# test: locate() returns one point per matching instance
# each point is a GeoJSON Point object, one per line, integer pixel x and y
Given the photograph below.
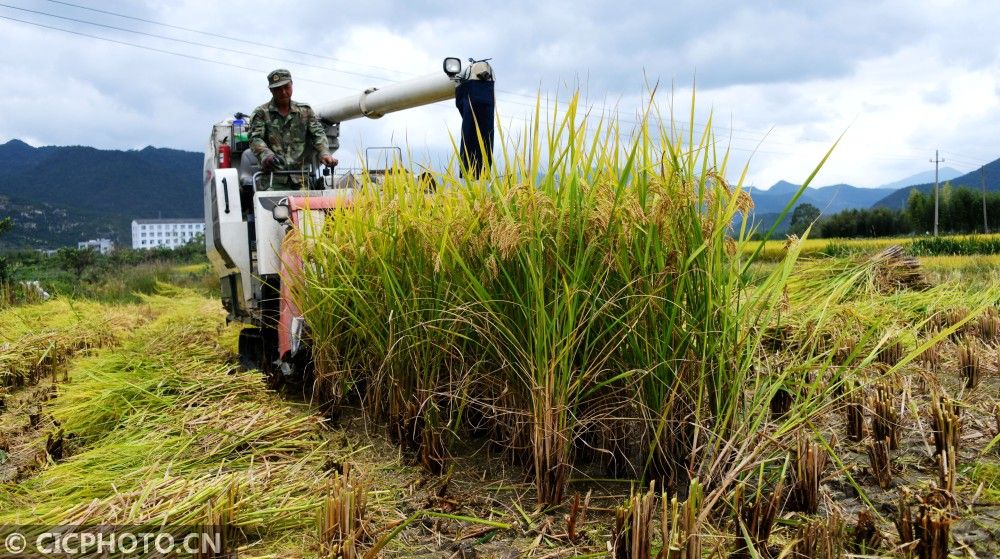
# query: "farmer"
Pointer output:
{"type": "Point", "coordinates": [285, 134]}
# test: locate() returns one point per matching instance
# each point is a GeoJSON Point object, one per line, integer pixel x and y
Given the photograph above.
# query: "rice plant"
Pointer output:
{"type": "Point", "coordinates": [590, 297]}
{"type": "Point", "coordinates": [587, 265]}
{"type": "Point", "coordinates": [931, 358]}
{"type": "Point", "coordinates": [931, 526]}
{"type": "Point", "coordinates": [892, 353]}
{"type": "Point", "coordinates": [946, 424]}
{"type": "Point", "coordinates": [988, 326]}
{"type": "Point", "coordinates": [342, 518]}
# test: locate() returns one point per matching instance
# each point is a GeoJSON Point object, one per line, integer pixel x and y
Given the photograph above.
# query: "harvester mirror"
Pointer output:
{"type": "Point", "coordinates": [281, 213]}
{"type": "Point", "coordinates": [452, 66]}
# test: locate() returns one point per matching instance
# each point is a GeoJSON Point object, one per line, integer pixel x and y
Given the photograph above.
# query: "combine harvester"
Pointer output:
{"type": "Point", "coordinates": [246, 222]}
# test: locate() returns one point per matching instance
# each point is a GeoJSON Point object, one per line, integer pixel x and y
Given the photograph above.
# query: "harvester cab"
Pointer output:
{"type": "Point", "coordinates": [246, 219]}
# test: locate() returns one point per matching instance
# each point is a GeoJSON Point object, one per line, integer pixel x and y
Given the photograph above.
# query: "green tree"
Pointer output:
{"type": "Point", "coordinates": [192, 251]}
{"type": "Point", "coordinates": [76, 260]}
{"type": "Point", "coordinates": [5, 272]}
{"type": "Point", "coordinates": [965, 211]}
{"type": "Point", "coordinates": [874, 222]}
{"type": "Point", "coordinates": [802, 217]}
{"type": "Point", "coordinates": [920, 209]}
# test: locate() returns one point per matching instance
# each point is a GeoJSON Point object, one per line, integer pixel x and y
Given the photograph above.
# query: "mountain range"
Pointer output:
{"type": "Point", "coordinates": [58, 196]}
{"type": "Point", "coordinates": [829, 199]}
{"type": "Point", "coordinates": [837, 197]}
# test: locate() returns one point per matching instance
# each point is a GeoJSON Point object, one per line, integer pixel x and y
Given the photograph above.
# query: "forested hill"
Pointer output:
{"type": "Point", "coordinates": [58, 196]}
{"type": "Point", "coordinates": [897, 200]}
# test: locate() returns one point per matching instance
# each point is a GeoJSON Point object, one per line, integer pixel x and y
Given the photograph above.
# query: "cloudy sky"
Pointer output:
{"type": "Point", "coordinates": [782, 80]}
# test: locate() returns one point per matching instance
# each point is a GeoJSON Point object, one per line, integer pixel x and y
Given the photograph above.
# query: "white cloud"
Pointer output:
{"type": "Point", "coordinates": [902, 78]}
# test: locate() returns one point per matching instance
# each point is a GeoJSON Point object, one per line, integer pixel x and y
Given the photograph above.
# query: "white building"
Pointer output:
{"type": "Point", "coordinates": [170, 233]}
{"type": "Point", "coordinates": [102, 246]}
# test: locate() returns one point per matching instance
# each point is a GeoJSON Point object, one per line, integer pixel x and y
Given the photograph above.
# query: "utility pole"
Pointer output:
{"type": "Point", "coordinates": [936, 161]}
{"type": "Point", "coordinates": [982, 175]}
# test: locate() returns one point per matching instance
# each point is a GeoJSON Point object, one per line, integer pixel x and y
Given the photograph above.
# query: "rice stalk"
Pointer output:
{"type": "Point", "coordinates": [880, 462]}
{"type": "Point", "coordinates": [988, 326]}
{"type": "Point", "coordinates": [969, 363]}
{"type": "Point", "coordinates": [927, 532]}
{"type": "Point", "coordinates": [854, 409]}
{"type": "Point", "coordinates": [865, 536]}
{"type": "Point", "coordinates": [885, 418]}
{"type": "Point", "coordinates": [946, 424]}
{"type": "Point", "coordinates": [820, 539]}
{"type": "Point", "coordinates": [577, 517]}
{"type": "Point", "coordinates": [755, 516]}
{"type": "Point", "coordinates": [892, 353]}
{"type": "Point", "coordinates": [931, 358]}
{"type": "Point", "coordinates": [342, 518]}
{"type": "Point", "coordinates": [904, 522]}
{"type": "Point", "coordinates": [810, 460]}
{"type": "Point", "coordinates": [679, 525]}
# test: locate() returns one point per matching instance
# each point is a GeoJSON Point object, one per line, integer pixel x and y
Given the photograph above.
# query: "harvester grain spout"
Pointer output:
{"type": "Point", "coordinates": [471, 87]}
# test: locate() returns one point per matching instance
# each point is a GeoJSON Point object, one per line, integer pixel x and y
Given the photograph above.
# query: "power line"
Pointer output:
{"type": "Point", "coordinates": [182, 55]}
{"type": "Point", "coordinates": [604, 109]}
{"type": "Point", "coordinates": [182, 41]}
{"type": "Point", "coordinates": [756, 138]}
{"type": "Point", "coordinates": [255, 43]}
{"type": "Point", "coordinates": [601, 108]}
{"type": "Point", "coordinates": [259, 44]}
{"type": "Point", "coordinates": [154, 49]}
{"type": "Point", "coordinates": [220, 36]}
{"type": "Point", "coordinates": [194, 43]}
{"type": "Point", "coordinates": [969, 160]}
{"type": "Point", "coordinates": [204, 45]}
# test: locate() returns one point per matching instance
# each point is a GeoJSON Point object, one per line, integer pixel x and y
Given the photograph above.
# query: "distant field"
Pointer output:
{"type": "Point", "coordinates": [811, 248]}
{"type": "Point", "coordinates": [950, 262]}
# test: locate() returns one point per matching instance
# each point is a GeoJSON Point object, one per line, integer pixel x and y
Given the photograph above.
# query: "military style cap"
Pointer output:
{"type": "Point", "coordinates": [278, 78]}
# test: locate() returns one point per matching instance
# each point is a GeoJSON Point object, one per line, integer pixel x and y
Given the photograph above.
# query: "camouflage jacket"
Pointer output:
{"type": "Point", "coordinates": [295, 138]}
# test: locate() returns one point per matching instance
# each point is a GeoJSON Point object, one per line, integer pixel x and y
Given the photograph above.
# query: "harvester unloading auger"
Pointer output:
{"type": "Point", "coordinates": [246, 222]}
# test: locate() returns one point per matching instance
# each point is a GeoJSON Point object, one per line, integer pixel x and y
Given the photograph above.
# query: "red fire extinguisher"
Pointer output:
{"type": "Point", "coordinates": [225, 153]}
